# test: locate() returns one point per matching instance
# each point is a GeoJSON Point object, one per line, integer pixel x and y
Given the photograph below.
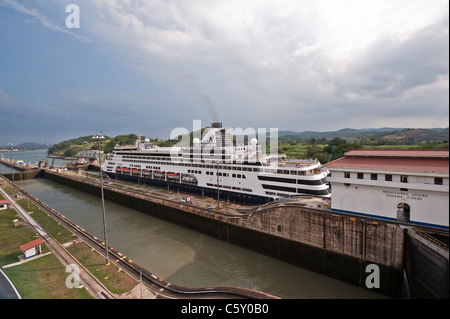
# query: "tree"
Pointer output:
{"type": "Point", "coordinates": [338, 146]}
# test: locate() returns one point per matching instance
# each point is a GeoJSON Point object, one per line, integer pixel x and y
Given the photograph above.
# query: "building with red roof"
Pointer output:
{"type": "Point", "coordinates": [410, 186]}
{"type": "Point", "coordinates": [32, 248]}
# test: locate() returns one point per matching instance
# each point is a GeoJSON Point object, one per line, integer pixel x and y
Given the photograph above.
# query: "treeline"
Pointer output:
{"type": "Point", "coordinates": [326, 150]}
{"type": "Point", "coordinates": [71, 147]}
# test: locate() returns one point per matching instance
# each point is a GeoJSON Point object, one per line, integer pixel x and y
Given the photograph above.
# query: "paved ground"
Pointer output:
{"type": "Point", "coordinates": [7, 289]}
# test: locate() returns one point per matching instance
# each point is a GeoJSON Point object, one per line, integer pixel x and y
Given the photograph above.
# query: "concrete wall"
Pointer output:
{"type": "Point", "coordinates": [427, 270]}
{"type": "Point", "coordinates": [24, 175]}
{"type": "Point", "coordinates": [378, 242]}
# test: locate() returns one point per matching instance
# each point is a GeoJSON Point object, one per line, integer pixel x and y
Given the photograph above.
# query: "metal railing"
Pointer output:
{"type": "Point", "coordinates": [430, 239]}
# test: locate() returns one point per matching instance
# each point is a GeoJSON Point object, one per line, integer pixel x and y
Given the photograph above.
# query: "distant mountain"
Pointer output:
{"type": "Point", "coordinates": [33, 146]}
{"type": "Point", "coordinates": [388, 133]}
{"type": "Point", "coordinates": [28, 146]}
{"type": "Point", "coordinates": [417, 135]}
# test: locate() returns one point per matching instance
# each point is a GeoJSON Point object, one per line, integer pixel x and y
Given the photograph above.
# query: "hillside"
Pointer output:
{"type": "Point", "coordinates": [71, 147]}
{"type": "Point", "coordinates": [416, 135]}
{"type": "Point", "coordinates": [325, 146]}
{"type": "Point", "coordinates": [387, 133]}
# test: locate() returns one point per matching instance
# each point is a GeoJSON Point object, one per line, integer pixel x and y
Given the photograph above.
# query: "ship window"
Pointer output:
{"type": "Point", "coordinates": [276, 179]}
{"type": "Point", "coordinates": [438, 181]}
{"type": "Point", "coordinates": [279, 188]}
{"type": "Point", "coordinates": [388, 178]}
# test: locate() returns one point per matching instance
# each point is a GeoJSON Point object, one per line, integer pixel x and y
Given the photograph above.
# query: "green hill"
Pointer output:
{"type": "Point", "coordinates": [71, 147]}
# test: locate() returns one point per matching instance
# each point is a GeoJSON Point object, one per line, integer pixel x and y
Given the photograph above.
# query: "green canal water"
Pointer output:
{"type": "Point", "coordinates": [185, 257]}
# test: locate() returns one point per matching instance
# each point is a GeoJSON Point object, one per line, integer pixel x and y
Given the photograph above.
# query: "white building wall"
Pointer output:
{"type": "Point", "coordinates": [30, 252]}
{"type": "Point", "coordinates": [429, 203]}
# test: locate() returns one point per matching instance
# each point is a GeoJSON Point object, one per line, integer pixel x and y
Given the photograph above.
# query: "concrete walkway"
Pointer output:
{"type": "Point", "coordinates": [22, 260]}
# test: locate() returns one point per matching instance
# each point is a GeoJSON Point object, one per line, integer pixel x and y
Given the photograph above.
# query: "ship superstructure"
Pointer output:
{"type": "Point", "coordinates": [243, 174]}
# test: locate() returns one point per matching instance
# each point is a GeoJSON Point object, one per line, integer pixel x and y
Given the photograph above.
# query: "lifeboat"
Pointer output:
{"type": "Point", "coordinates": [158, 173]}
{"type": "Point", "coordinates": [173, 175]}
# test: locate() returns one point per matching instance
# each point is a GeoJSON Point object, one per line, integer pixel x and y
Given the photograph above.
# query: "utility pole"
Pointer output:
{"type": "Point", "coordinates": [99, 137]}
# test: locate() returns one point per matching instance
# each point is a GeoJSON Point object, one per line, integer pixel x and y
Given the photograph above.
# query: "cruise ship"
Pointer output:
{"type": "Point", "coordinates": [242, 174]}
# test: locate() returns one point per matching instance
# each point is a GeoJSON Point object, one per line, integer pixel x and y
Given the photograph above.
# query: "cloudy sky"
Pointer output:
{"type": "Point", "coordinates": [149, 66]}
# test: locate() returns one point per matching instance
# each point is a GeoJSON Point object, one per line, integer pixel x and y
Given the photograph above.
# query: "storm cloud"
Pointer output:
{"type": "Point", "coordinates": [150, 66]}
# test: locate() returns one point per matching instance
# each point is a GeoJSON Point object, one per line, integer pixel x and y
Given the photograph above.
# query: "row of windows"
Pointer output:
{"type": "Point", "coordinates": [167, 160]}
{"type": "Point", "coordinates": [227, 175]}
{"type": "Point", "coordinates": [230, 187]}
{"type": "Point", "coordinates": [291, 181]}
{"type": "Point", "coordinates": [221, 167]}
{"type": "Point", "coordinates": [297, 190]}
{"type": "Point", "coordinates": [388, 178]}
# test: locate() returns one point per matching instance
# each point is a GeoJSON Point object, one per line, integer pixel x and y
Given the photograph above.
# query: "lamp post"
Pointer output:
{"type": "Point", "coordinates": [12, 165]}
{"type": "Point", "coordinates": [99, 137]}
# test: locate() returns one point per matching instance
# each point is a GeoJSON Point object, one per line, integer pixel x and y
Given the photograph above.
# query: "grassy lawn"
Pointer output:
{"type": "Point", "coordinates": [45, 277]}
{"type": "Point", "coordinates": [52, 227]}
{"type": "Point", "coordinates": [12, 237]}
{"type": "Point", "coordinates": [111, 276]}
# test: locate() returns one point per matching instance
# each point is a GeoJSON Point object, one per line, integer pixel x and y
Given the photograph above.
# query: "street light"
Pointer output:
{"type": "Point", "coordinates": [99, 137]}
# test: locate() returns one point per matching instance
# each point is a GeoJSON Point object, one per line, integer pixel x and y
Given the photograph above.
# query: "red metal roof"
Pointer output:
{"type": "Point", "coordinates": [399, 153]}
{"type": "Point", "coordinates": [31, 244]}
{"type": "Point", "coordinates": [4, 201]}
{"type": "Point", "coordinates": [395, 160]}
